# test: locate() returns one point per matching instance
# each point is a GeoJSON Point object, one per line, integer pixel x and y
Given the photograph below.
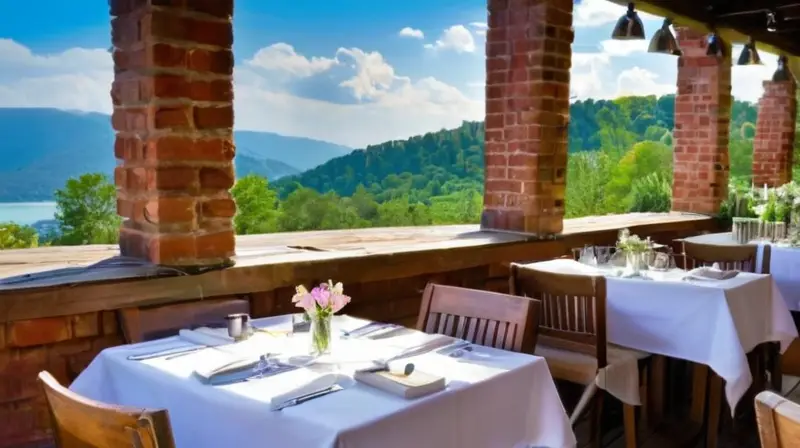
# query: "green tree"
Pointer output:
{"type": "Point", "coordinates": [256, 206]}
{"type": "Point", "coordinates": [17, 236]}
{"type": "Point", "coordinates": [643, 158]}
{"type": "Point", "coordinates": [86, 211]}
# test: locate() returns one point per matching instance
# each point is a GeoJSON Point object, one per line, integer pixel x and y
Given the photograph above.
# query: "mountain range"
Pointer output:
{"type": "Point", "coordinates": [42, 148]}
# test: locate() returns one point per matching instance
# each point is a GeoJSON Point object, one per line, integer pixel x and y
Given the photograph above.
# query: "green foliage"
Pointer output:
{"type": "Point", "coordinates": [256, 206]}
{"type": "Point", "coordinates": [17, 236]}
{"type": "Point", "coordinates": [87, 211]}
{"type": "Point", "coordinates": [651, 193]}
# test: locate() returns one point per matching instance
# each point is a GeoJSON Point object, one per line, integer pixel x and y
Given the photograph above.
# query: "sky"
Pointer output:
{"type": "Point", "coordinates": [350, 72]}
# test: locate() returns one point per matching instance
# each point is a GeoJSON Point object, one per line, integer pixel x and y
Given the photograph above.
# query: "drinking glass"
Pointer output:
{"type": "Point", "coordinates": [588, 256]}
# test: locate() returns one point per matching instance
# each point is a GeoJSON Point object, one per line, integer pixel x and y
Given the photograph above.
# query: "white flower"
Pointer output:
{"type": "Point", "coordinates": [300, 291]}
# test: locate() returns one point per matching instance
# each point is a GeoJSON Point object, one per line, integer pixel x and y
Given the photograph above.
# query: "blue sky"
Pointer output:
{"type": "Point", "coordinates": [347, 71]}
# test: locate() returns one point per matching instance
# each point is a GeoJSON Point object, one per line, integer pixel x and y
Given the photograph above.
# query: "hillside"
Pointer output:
{"type": "Point", "coordinates": [429, 165]}
{"type": "Point", "coordinates": [42, 148]}
{"type": "Point", "coordinates": [448, 161]}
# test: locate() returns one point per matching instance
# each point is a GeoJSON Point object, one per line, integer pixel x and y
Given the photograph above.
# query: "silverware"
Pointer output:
{"type": "Point", "coordinates": [456, 349]}
{"type": "Point", "coordinates": [408, 369]}
{"type": "Point", "coordinates": [364, 329]}
{"type": "Point", "coordinates": [309, 396]}
{"type": "Point", "coordinates": [169, 353]}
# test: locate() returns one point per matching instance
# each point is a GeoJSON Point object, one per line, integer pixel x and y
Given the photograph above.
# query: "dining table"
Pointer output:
{"type": "Point", "coordinates": [784, 263]}
{"type": "Point", "coordinates": [491, 398]}
{"type": "Point", "coordinates": [706, 321]}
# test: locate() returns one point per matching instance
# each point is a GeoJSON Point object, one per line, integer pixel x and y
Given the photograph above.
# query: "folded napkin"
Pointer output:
{"type": "Point", "coordinates": [205, 336]}
{"type": "Point", "coordinates": [711, 273]}
{"type": "Point", "coordinates": [314, 385]}
{"type": "Point", "coordinates": [231, 371]}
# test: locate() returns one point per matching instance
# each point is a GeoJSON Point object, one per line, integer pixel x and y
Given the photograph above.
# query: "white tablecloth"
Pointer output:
{"type": "Point", "coordinates": [493, 398]}
{"type": "Point", "coordinates": [784, 264]}
{"type": "Point", "coordinates": [705, 321]}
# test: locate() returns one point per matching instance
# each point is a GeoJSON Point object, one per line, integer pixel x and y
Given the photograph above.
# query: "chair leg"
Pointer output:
{"type": "Point", "coordinates": [586, 397]}
{"type": "Point", "coordinates": [775, 367]}
{"type": "Point", "coordinates": [714, 409]}
{"type": "Point", "coordinates": [629, 416]}
{"type": "Point", "coordinates": [596, 429]}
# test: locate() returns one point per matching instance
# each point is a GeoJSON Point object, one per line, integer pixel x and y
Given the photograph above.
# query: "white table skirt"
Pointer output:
{"type": "Point", "coordinates": [784, 264]}
{"type": "Point", "coordinates": [709, 322]}
{"type": "Point", "coordinates": [493, 399]}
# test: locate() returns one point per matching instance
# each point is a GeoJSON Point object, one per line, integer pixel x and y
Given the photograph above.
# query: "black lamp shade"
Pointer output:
{"type": "Point", "coordinates": [664, 42]}
{"type": "Point", "coordinates": [749, 55]}
{"type": "Point", "coordinates": [629, 26]}
{"type": "Point", "coordinates": [716, 47]}
{"type": "Point", "coordinates": [782, 73]}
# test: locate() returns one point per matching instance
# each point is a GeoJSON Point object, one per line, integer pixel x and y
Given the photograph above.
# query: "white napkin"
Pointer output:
{"type": "Point", "coordinates": [204, 336]}
{"type": "Point", "coordinates": [314, 385]}
{"type": "Point", "coordinates": [712, 273]}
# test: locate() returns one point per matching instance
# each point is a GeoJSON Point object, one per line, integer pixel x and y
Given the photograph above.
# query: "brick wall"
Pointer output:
{"type": "Point", "coordinates": [528, 57]}
{"type": "Point", "coordinates": [773, 146]}
{"type": "Point", "coordinates": [173, 113]}
{"type": "Point", "coordinates": [702, 122]}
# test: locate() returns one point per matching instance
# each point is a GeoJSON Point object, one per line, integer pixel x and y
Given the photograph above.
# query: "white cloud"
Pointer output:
{"type": "Point", "coordinates": [480, 28]}
{"type": "Point", "coordinates": [747, 81]}
{"type": "Point", "coordinates": [411, 32]}
{"type": "Point", "coordinates": [77, 79]}
{"type": "Point", "coordinates": [457, 38]}
{"type": "Point", "coordinates": [623, 47]}
{"type": "Point", "coordinates": [596, 13]}
{"type": "Point", "coordinates": [639, 81]}
{"type": "Point", "coordinates": [282, 57]}
{"type": "Point", "coordinates": [389, 107]}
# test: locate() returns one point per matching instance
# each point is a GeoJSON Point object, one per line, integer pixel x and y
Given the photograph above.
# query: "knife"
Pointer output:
{"type": "Point", "coordinates": [310, 396]}
{"type": "Point", "coordinates": [172, 352]}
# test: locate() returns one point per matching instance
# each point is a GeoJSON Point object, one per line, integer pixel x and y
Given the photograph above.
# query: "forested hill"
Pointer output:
{"type": "Point", "coordinates": [447, 161]}
{"type": "Point", "coordinates": [423, 166]}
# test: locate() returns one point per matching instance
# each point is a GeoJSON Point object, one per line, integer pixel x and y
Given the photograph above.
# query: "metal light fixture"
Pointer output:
{"type": "Point", "coordinates": [749, 54]}
{"type": "Point", "coordinates": [663, 41]}
{"type": "Point", "coordinates": [629, 26]}
{"type": "Point", "coordinates": [716, 47]}
{"type": "Point", "coordinates": [782, 73]}
{"type": "Point", "coordinates": [774, 18]}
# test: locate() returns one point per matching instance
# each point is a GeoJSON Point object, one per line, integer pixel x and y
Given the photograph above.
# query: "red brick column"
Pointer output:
{"type": "Point", "coordinates": [702, 122]}
{"type": "Point", "coordinates": [528, 57]}
{"type": "Point", "coordinates": [173, 113]}
{"type": "Point", "coordinates": [774, 142]}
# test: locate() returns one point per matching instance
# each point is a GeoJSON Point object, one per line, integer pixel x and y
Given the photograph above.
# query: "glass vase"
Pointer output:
{"type": "Point", "coordinates": [321, 334]}
{"type": "Point", "coordinates": [633, 262]}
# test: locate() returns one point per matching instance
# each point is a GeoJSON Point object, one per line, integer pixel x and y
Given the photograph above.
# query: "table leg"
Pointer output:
{"type": "Point", "coordinates": [714, 409]}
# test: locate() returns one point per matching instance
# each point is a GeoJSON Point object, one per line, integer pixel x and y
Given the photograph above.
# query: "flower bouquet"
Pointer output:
{"type": "Point", "coordinates": [634, 249]}
{"type": "Point", "coordinates": [320, 305]}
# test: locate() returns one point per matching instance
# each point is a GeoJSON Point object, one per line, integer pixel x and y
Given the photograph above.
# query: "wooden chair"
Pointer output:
{"type": "Point", "coordinates": [82, 423]}
{"type": "Point", "coordinates": [146, 324]}
{"type": "Point", "coordinates": [778, 421]}
{"type": "Point", "coordinates": [740, 257]}
{"type": "Point", "coordinates": [572, 336]}
{"type": "Point", "coordinates": [481, 317]}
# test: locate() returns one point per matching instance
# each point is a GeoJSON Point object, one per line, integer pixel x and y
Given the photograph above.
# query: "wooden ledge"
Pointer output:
{"type": "Point", "coordinates": [70, 280]}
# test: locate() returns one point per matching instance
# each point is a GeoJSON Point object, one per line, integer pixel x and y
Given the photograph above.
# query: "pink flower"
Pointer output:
{"type": "Point", "coordinates": [322, 295]}
{"type": "Point", "coordinates": [338, 301]}
{"type": "Point", "coordinates": [305, 301]}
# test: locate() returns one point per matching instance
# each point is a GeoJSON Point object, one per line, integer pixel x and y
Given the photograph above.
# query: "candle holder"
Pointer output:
{"type": "Point", "coordinates": [238, 326]}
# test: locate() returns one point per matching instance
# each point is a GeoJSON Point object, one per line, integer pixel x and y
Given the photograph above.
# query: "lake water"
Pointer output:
{"type": "Point", "coordinates": [27, 212]}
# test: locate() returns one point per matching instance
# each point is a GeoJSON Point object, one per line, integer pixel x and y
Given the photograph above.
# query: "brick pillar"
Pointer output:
{"type": "Point", "coordinates": [528, 57]}
{"type": "Point", "coordinates": [702, 122]}
{"type": "Point", "coordinates": [774, 142]}
{"type": "Point", "coordinates": [173, 113]}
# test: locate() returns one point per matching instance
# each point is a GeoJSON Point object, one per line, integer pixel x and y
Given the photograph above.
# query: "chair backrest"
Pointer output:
{"type": "Point", "coordinates": [729, 257]}
{"type": "Point", "coordinates": [82, 423]}
{"type": "Point", "coordinates": [573, 315]}
{"type": "Point", "coordinates": [778, 421]}
{"type": "Point", "coordinates": [146, 324]}
{"type": "Point", "coordinates": [482, 317]}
